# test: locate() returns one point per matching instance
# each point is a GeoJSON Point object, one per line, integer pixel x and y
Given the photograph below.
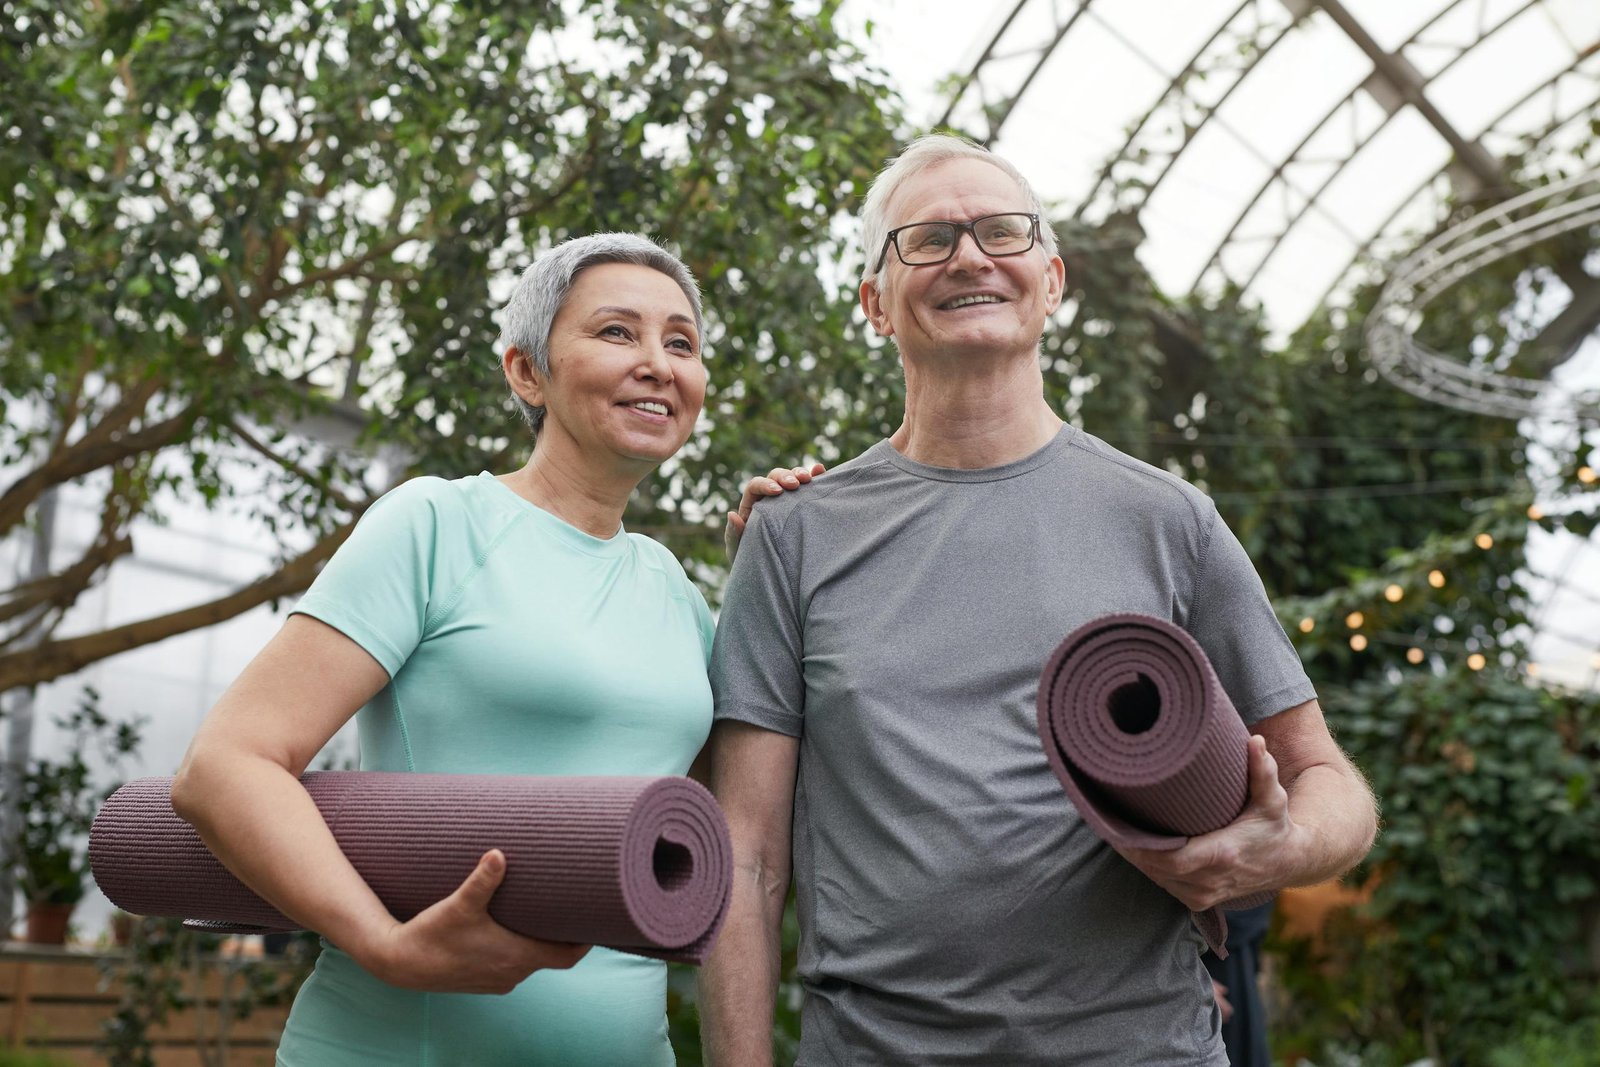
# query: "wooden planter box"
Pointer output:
{"type": "Point", "coordinates": [55, 1001]}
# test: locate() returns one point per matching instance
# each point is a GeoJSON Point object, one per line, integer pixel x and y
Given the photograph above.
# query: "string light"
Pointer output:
{"type": "Point", "coordinates": [1436, 579]}
{"type": "Point", "coordinates": [1534, 512]}
{"type": "Point", "coordinates": [1307, 624]}
{"type": "Point", "coordinates": [1476, 661]}
{"type": "Point", "coordinates": [1587, 476]}
{"type": "Point", "coordinates": [1393, 594]}
{"type": "Point", "coordinates": [1354, 620]}
{"type": "Point", "coordinates": [1483, 541]}
{"type": "Point", "coordinates": [1414, 655]}
{"type": "Point", "coordinates": [1358, 642]}
{"type": "Point", "coordinates": [1533, 670]}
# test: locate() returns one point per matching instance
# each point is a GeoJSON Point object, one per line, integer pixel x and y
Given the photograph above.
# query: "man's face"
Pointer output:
{"type": "Point", "coordinates": [931, 311]}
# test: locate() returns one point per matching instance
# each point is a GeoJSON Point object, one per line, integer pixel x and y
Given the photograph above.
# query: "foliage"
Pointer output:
{"type": "Point", "coordinates": [14, 1057]}
{"type": "Point", "coordinates": [1573, 1045]}
{"type": "Point", "coordinates": [1491, 847]}
{"type": "Point", "coordinates": [163, 972]}
{"type": "Point", "coordinates": [59, 800]}
{"type": "Point", "coordinates": [229, 219]}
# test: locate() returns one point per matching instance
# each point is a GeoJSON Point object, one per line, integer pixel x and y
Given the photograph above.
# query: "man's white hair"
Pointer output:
{"type": "Point", "coordinates": [526, 319]}
{"type": "Point", "coordinates": [918, 156]}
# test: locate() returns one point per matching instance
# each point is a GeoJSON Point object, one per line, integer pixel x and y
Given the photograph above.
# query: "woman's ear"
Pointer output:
{"type": "Point", "coordinates": [521, 376]}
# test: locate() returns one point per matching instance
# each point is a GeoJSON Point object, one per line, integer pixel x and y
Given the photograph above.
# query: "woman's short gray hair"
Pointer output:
{"type": "Point", "coordinates": [918, 156]}
{"type": "Point", "coordinates": [526, 319]}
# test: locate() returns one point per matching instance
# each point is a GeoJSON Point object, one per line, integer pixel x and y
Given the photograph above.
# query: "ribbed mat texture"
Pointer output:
{"type": "Point", "coordinates": [642, 865]}
{"type": "Point", "coordinates": [1144, 740]}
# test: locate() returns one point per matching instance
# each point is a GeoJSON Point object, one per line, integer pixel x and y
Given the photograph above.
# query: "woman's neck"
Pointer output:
{"type": "Point", "coordinates": [559, 482]}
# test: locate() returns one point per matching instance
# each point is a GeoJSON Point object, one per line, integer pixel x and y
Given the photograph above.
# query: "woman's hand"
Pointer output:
{"type": "Point", "coordinates": [775, 483]}
{"type": "Point", "coordinates": [455, 946]}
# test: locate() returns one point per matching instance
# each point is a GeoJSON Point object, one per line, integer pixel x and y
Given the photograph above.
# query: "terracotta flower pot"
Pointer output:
{"type": "Point", "coordinates": [47, 923]}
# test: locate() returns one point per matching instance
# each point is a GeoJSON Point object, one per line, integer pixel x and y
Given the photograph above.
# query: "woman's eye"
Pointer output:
{"type": "Point", "coordinates": [614, 331]}
{"type": "Point", "coordinates": [683, 344]}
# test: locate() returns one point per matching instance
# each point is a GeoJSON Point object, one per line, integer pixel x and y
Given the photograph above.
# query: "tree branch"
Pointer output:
{"type": "Point", "coordinates": [99, 448]}
{"type": "Point", "coordinates": [255, 444]}
{"type": "Point", "coordinates": [53, 659]}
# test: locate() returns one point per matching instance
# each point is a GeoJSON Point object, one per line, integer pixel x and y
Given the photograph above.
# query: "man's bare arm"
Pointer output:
{"type": "Point", "coordinates": [753, 776]}
{"type": "Point", "coordinates": [1311, 817]}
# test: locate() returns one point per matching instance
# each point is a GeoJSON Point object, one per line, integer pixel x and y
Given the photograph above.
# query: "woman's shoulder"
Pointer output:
{"type": "Point", "coordinates": [466, 507]}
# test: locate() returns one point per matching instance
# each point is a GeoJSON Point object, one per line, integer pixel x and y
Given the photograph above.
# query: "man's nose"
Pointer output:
{"type": "Point", "coordinates": [966, 252]}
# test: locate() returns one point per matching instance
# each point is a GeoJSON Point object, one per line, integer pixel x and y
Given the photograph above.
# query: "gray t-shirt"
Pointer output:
{"type": "Point", "coordinates": [895, 617]}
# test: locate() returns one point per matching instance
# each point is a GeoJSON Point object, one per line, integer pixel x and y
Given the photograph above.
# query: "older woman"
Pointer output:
{"type": "Point", "coordinates": [497, 625]}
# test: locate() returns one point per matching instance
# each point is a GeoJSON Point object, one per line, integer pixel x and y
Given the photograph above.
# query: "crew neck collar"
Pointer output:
{"type": "Point", "coordinates": [1051, 448]}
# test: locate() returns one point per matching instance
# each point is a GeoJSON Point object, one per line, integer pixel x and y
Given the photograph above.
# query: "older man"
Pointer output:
{"type": "Point", "coordinates": [876, 669]}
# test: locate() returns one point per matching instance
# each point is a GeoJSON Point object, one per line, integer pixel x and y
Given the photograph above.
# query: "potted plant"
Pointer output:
{"type": "Point", "coordinates": [58, 805]}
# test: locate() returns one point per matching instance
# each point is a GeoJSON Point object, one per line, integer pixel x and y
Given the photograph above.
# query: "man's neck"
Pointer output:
{"type": "Point", "coordinates": [971, 416]}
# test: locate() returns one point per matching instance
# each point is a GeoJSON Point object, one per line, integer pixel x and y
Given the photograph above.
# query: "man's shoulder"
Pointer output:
{"type": "Point", "coordinates": [1109, 470]}
{"type": "Point", "coordinates": [854, 475]}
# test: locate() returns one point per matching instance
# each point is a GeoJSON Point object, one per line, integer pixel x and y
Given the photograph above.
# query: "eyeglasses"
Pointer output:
{"type": "Point", "coordinates": [923, 244]}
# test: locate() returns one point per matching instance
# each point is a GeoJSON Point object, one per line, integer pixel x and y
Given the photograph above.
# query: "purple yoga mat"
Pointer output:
{"type": "Point", "coordinates": [642, 865]}
{"type": "Point", "coordinates": [1145, 742]}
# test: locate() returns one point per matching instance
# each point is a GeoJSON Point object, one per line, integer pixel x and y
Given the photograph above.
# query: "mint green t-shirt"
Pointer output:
{"type": "Point", "coordinates": [515, 644]}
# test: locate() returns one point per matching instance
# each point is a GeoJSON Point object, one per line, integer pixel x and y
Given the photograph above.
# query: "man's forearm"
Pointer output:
{"type": "Point", "coordinates": [1337, 816]}
{"type": "Point", "coordinates": [739, 983]}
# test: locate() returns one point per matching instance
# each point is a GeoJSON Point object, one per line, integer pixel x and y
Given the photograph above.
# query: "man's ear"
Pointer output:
{"type": "Point", "coordinates": [521, 376]}
{"type": "Point", "coordinates": [1055, 282]}
{"type": "Point", "coordinates": [872, 305]}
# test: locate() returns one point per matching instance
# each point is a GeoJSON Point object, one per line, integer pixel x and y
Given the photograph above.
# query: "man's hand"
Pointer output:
{"type": "Point", "coordinates": [455, 946]}
{"type": "Point", "coordinates": [1255, 852]}
{"type": "Point", "coordinates": [775, 483]}
{"type": "Point", "coordinates": [1220, 991]}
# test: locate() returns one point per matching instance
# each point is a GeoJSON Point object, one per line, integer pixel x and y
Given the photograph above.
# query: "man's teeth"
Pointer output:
{"type": "Point", "coordinates": [965, 301]}
{"type": "Point", "coordinates": [651, 406]}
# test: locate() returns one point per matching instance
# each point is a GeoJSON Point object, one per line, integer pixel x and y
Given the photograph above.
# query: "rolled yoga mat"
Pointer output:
{"type": "Point", "coordinates": [642, 865]}
{"type": "Point", "coordinates": [1144, 740]}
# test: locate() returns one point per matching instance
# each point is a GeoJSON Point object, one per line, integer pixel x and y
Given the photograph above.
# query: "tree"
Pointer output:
{"type": "Point", "coordinates": [224, 218]}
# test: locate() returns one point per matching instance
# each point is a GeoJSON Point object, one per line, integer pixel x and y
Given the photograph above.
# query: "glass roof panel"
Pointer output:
{"type": "Point", "coordinates": [1392, 24]}
{"type": "Point", "coordinates": [1524, 54]}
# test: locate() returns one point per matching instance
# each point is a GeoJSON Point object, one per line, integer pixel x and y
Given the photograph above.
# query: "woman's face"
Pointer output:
{"type": "Point", "coordinates": [626, 380]}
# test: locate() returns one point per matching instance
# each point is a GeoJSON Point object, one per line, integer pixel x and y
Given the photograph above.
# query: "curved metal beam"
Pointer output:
{"type": "Point", "coordinates": [1556, 124]}
{"type": "Point", "coordinates": [1333, 113]}
{"type": "Point", "coordinates": [996, 114]}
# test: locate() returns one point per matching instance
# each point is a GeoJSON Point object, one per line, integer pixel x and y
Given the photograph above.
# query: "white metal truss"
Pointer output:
{"type": "Point", "coordinates": [1476, 384]}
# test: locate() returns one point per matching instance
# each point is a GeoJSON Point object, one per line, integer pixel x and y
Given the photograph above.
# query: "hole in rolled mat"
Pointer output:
{"type": "Point", "coordinates": [1136, 706]}
{"type": "Point", "coordinates": [673, 865]}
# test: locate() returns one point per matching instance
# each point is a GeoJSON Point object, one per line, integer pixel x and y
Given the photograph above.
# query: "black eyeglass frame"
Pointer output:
{"type": "Point", "coordinates": [969, 228]}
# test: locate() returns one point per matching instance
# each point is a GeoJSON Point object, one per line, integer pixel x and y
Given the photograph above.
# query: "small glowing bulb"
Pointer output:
{"type": "Point", "coordinates": [1358, 642]}
{"type": "Point", "coordinates": [1414, 655]}
{"type": "Point", "coordinates": [1484, 541]}
{"type": "Point", "coordinates": [1354, 620]}
{"type": "Point", "coordinates": [1535, 512]}
{"type": "Point", "coordinates": [1436, 579]}
{"type": "Point", "coordinates": [1393, 594]}
{"type": "Point", "coordinates": [1476, 661]}
{"type": "Point", "coordinates": [1533, 670]}
{"type": "Point", "coordinates": [1307, 624]}
{"type": "Point", "coordinates": [1587, 476]}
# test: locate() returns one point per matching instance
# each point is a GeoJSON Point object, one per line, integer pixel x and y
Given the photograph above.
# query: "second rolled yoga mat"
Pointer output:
{"type": "Point", "coordinates": [1144, 740]}
{"type": "Point", "coordinates": [637, 864]}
